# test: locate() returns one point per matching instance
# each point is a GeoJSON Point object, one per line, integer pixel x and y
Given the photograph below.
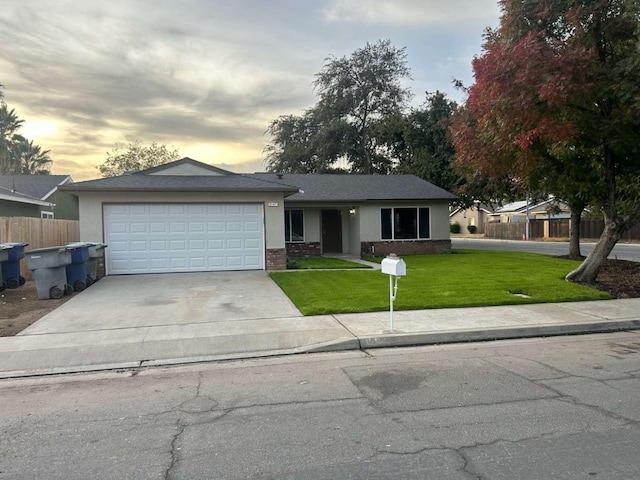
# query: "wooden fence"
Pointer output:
{"type": "Point", "coordinates": [38, 233]}
{"type": "Point", "coordinates": [590, 228]}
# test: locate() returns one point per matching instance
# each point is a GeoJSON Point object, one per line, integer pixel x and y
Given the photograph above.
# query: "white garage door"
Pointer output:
{"type": "Point", "coordinates": [158, 238]}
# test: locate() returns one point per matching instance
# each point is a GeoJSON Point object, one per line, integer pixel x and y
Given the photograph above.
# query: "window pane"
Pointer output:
{"type": "Point", "coordinates": [405, 223]}
{"type": "Point", "coordinates": [287, 225]}
{"type": "Point", "coordinates": [297, 226]}
{"type": "Point", "coordinates": [424, 223]}
{"type": "Point", "coordinates": [385, 221]}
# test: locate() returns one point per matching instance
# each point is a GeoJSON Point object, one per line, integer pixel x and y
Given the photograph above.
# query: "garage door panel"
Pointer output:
{"type": "Point", "coordinates": [148, 238]}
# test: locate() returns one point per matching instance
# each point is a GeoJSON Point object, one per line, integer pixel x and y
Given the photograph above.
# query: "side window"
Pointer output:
{"type": "Point", "coordinates": [294, 226]}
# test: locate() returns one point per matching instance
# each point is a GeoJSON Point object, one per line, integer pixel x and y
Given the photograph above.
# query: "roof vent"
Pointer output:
{"type": "Point", "coordinates": [279, 175]}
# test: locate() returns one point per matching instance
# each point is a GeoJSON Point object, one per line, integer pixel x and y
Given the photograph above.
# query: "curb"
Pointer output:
{"type": "Point", "coordinates": [361, 343]}
{"type": "Point", "coordinates": [506, 333]}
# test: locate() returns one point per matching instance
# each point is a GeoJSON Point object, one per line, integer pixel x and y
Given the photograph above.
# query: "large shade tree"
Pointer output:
{"type": "Point", "coordinates": [555, 106]}
{"type": "Point", "coordinates": [135, 156]}
{"type": "Point", "coordinates": [419, 143]}
{"type": "Point", "coordinates": [354, 93]}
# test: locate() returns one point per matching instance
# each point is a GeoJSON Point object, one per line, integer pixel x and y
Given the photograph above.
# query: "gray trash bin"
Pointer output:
{"type": "Point", "coordinates": [48, 266]}
{"type": "Point", "coordinates": [96, 250]}
{"type": "Point", "coordinates": [4, 256]}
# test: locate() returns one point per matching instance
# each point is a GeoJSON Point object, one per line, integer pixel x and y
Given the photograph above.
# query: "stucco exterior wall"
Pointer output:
{"type": "Point", "coordinates": [91, 221]}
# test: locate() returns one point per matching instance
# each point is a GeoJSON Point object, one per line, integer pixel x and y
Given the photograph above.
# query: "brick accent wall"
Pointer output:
{"type": "Point", "coordinates": [406, 247]}
{"type": "Point", "coordinates": [297, 250]}
{"type": "Point", "coordinates": [276, 259]}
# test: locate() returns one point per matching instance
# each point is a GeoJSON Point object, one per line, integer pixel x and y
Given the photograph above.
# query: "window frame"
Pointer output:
{"type": "Point", "coordinates": [393, 238]}
{"type": "Point", "coordinates": [288, 220]}
{"type": "Point", "coordinates": [45, 214]}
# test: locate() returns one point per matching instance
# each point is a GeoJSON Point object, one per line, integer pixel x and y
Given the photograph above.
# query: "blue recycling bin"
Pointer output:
{"type": "Point", "coordinates": [4, 256]}
{"type": "Point", "coordinates": [11, 266]}
{"type": "Point", "coordinates": [77, 269]}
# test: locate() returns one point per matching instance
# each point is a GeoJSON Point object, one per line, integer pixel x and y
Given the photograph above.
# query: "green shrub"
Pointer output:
{"type": "Point", "coordinates": [472, 228]}
{"type": "Point", "coordinates": [454, 228]}
{"type": "Point", "coordinates": [292, 263]}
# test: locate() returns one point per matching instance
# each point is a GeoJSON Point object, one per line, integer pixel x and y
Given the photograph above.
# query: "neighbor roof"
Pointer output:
{"type": "Point", "coordinates": [357, 188]}
{"type": "Point", "coordinates": [6, 194]}
{"type": "Point", "coordinates": [36, 186]}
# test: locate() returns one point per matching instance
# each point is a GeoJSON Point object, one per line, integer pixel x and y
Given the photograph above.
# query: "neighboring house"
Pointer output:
{"type": "Point", "coordinates": [516, 212]}
{"type": "Point", "coordinates": [59, 204]}
{"type": "Point", "coordinates": [189, 216]}
{"type": "Point", "coordinates": [476, 216]}
{"type": "Point", "coordinates": [13, 204]}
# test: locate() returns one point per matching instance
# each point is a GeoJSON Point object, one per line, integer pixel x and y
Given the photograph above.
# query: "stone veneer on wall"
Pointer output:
{"type": "Point", "coordinates": [310, 249]}
{"type": "Point", "coordinates": [276, 259]}
{"type": "Point", "coordinates": [407, 247]}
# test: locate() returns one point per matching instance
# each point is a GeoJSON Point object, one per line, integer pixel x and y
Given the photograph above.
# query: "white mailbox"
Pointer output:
{"type": "Point", "coordinates": [392, 265]}
{"type": "Point", "coordinates": [395, 268]}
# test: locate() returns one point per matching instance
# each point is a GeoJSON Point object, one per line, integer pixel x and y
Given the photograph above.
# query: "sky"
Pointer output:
{"type": "Point", "coordinates": [206, 77]}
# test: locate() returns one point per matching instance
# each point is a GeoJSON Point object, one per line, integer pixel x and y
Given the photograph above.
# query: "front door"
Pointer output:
{"type": "Point", "coordinates": [331, 231]}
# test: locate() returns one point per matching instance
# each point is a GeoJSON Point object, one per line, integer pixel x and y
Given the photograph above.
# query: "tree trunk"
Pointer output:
{"type": "Point", "coordinates": [589, 269]}
{"type": "Point", "coordinates": [574, 234]}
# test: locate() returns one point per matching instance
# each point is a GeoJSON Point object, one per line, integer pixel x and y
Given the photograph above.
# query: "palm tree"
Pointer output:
{"type": "Point", "coordinates": [9, 125]}
{"type": "Point", "coordinates": [30, 159]}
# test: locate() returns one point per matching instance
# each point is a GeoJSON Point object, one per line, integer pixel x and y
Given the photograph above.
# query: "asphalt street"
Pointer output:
{"type": "Point", "coordinates": [555, 408]}
{"type": "Point", "coordinates": [622, 251]}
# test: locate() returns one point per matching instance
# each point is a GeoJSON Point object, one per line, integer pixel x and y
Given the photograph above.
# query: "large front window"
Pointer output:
{"type": "Point", "coordinates": [405, 223]}
{"type": "Point", "coordinates": [293, 226]}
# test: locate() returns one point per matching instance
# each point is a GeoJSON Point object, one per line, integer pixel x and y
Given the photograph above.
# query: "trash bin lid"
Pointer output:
{"type": "Point", "coordinates": [13, 245]}
{"type": "Point", "coordinates": [37, 251]}
{"type": "Point", "coordinates": [78, 244]}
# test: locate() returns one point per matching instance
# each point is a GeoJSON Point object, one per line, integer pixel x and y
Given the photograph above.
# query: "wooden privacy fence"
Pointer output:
{"type": "Point", "coordinates": [540, 229]}
{"type": "Point", "coordinates": [38, 233]}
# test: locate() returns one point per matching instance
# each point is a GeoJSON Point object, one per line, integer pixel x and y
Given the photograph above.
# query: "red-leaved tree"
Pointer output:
{"type": "Point", "coordinates": [555, 107]}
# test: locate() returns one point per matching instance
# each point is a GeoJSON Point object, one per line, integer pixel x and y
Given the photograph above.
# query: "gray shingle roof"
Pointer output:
{"type": "Point", "coordinates": [37, 186]}
{"type": "Point", "coordinates": [220, 183]}
{"type": "Point", "coordinates": [352, 188]}
{"type": "Point", "coordinates": [299, 187]}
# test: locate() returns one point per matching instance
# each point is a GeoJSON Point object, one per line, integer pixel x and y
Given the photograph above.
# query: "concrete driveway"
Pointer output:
{"type": "Point", "coordinates": [130, 321]}
{"type": "Point", "coordinates": [129, 301]}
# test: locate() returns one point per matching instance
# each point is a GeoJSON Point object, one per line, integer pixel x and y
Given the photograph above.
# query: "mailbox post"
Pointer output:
{"type": "Point", "coordinates": [394, 267]}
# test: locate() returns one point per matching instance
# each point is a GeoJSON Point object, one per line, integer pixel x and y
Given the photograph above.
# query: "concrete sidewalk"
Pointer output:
{"type": "Point", "coordinates": [42, 353]}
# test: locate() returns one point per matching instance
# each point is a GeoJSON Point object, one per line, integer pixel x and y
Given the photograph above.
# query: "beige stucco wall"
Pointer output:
{"type": "Point", "coordinates": [370, 227]}
{"type": "Point", "coordinates": [91, 222]}
{"type": "Point", "coordinates": [185, 169]}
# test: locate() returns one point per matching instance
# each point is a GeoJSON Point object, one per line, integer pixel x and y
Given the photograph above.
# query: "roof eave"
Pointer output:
{"type": "Point", "coordinates": [73, 189]}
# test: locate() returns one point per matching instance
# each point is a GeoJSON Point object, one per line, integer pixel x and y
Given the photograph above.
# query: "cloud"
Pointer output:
{"type": "Point", "coordinates": [411, 13]}
{"type": "Point", "coordinates": [202, 75]}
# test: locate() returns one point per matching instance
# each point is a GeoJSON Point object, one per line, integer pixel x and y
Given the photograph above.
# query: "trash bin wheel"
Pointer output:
{"type": "Point", "coordinates": [68, 289]}
{"type": "Point", "coordinates": [55, 292]}
{"type": "Point", "coordinates": [90, 280]}
{"type": "Point", "coordinates": [22, 280]}
{"type": "Point", "coordinates": [13, 282]}
{"type": "Point", "coordinates": [79, 285]}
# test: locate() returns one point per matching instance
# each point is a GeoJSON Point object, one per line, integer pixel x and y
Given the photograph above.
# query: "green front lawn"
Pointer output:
{"type": "Point", "coordinates": [466, 278]}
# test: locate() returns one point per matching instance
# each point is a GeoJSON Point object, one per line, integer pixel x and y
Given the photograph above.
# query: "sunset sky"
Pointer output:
{"type": "Point", "coordinates": [206, 76]}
